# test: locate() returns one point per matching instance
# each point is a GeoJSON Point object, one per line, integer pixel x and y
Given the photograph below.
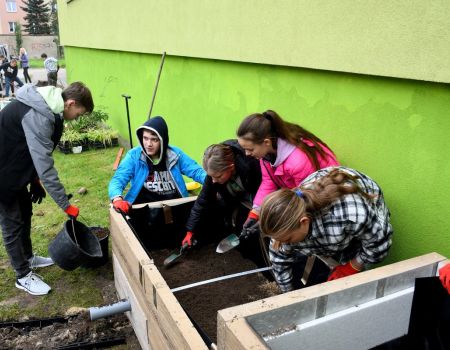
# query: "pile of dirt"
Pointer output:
{"type": "Point", "coordinates": [203, 302]}
{"type": "Point", "coordinates": [78, 328]}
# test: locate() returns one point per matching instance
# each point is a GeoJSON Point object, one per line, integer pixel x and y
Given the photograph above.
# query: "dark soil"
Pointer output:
{"type": "Point", "coordinates": [203, 302]}
{"type": "Point", "coordinates": [78, 328]}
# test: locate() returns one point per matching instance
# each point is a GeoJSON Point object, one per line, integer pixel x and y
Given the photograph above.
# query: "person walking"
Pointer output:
{"type": "Point", "coordinates": [30, 128]}
{"type": "Point", "coordinates": [23, 57]}
{"type": "Point", "coordinates": [52, 67]}
{"type": "Point", "coordinates": [336, 212]}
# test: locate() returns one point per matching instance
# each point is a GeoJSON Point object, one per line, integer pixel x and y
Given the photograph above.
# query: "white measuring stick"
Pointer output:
{"type": "Point", "coordinates": [196, 284]}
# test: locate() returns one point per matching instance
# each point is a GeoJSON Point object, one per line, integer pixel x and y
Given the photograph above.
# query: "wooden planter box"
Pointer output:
{"type": "Point", "coordinates": [281, 322]}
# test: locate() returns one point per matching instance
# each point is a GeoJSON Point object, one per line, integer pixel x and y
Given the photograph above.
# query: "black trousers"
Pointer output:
{"type": "Point", "coordinates": [15, 222]}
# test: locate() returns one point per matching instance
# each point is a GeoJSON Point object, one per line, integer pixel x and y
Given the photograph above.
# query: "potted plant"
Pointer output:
{"type": "Point", "coordinates": [70, 139]}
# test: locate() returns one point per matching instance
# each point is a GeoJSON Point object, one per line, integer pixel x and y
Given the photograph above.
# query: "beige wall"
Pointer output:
{"type": "Point", "coordinates": [35, 45]}
{"type": "Point", "coordinates": [6, 16]}
{"type": "Point", "coordinates": [401, 38]}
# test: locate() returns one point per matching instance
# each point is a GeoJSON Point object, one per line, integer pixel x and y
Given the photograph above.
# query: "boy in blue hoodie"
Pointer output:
{"type": "Point", "coordinates": [155, 169]}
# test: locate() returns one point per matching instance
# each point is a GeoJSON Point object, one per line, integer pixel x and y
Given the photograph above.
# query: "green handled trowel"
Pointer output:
{"type": "Point", "coordinates": [177, 254]}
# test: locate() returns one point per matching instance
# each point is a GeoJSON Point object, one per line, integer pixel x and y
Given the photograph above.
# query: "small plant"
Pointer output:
{"type": "Point", "coordinates": [72, 137]}
{"type": "Point", "coordinates": [90, 121]}
{"type": "Point", "coordinates": [103, 136]}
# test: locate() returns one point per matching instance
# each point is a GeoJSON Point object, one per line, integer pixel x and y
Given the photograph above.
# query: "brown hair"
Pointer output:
{"type": "Point", "coordinates": [282, 210]}
{"type": "Point", "coordinates": [81, 94]}
{"type": "Point", "coordinates": [218, 157]}
{"type": "Point", "coordinates": [269, 125]}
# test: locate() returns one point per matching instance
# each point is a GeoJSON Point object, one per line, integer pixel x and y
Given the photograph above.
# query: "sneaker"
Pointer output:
{"type": "Point", "coordinates": [39, 261]}
{"type": "Point", "coordinates": [33, 284]}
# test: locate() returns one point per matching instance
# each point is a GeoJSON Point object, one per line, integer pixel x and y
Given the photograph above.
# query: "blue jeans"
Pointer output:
{"type": "Point", "coordinates": [8, 81]}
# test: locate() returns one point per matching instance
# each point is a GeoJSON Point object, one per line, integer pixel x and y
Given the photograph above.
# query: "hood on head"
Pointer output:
{"type": "Point", "coordinates": [159, 127]}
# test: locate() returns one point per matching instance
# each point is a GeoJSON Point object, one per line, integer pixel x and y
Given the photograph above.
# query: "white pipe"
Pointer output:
{"type": "Point", "coordinates": [109, 310]}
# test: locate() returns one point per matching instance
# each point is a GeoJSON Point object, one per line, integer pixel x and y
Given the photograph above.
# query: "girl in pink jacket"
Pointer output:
{"type": "Point", "coordinates": [287, 152]}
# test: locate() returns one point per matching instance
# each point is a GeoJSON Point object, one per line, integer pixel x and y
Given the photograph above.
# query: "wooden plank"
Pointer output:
{"type": "Point", "coordinates": [287, 299]}
{"type": "Point", "coordinates": [144, 322]}
{"type": "Point", "coordinates": [125, 244]}
{"type": "Point", "coordinates": [169, 202]}
{"type": "Point", "coordinates": [118, 157]}
{"type": "Point", "coordinates": [237, 335]}
{"type": "Point", "coordinates": [171, 316]}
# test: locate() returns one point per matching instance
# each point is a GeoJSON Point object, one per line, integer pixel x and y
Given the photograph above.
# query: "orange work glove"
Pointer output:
{"type": "Point", "coordinates": [187, 239]}
{"type": "Point", "coordinates": [444, 276]}
{"type": "Point", "coordinates": [342, 271]}
{"type": "Point", "coordinates": [72, 211]}
{"type": "Point", "coordinates": [122, 206]}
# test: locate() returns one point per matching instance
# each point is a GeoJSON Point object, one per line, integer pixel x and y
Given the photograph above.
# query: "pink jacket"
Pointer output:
{"type": "Point", "coordinates": [291, 167]}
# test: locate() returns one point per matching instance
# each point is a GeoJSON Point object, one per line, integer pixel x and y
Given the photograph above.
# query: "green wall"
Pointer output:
{"type": "Point", "coordinates": [401, 38]}
{"type": "Point", "coordinates": [394, 130]}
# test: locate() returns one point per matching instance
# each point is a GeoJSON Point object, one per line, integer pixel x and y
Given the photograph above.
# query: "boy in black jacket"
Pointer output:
{"type": "Point", "coordinates": [10, 69]}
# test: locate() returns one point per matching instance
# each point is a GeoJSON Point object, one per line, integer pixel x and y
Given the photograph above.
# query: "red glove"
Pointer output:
{"type": "Point", "coordinates": [342, 271]}
{"type": "Point", "coordinates": [72, 211]}
{"type": "Point", "coordinates": [187, 239]}
{"type": "Point", "coordinates": [122, 206]}
{"type": "Point", "coordinates": [444, 276]}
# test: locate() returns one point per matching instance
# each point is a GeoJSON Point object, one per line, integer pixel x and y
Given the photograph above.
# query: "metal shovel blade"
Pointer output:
{"type": "Point", "coordinates": [171, 259]}
{"type": "Point", "coordinates": [227, 243]}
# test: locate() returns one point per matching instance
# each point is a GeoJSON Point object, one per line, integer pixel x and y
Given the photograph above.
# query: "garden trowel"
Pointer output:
{"type": "Point", "coordinates": [228, 243]}
{"type": "Point", "coordinates": [177, 254]}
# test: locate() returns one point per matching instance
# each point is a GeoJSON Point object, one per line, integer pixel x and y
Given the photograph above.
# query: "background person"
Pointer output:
{"type": "Point", "coordinates": [30, 129]}
{"type": "Point", "coordinates": [10, 69]}
{"type": "Point", "coordinates": [52, 67]}
{"type": "Point", "coordinates": [287, 153]}
{"type": "Point", "coordinates": [337, 212]}
{"type": "Point", "coordinates": [23, 57]}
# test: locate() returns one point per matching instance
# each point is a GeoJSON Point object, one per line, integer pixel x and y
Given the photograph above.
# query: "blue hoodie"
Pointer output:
{"type": "Point", "coordinates": [134, 168]}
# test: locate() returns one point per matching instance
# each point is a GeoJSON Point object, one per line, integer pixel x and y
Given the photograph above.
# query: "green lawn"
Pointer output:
{"type": "Point", "coordinates": [39, 63]}
{"type": "Point", "coordinates": [78, 288]}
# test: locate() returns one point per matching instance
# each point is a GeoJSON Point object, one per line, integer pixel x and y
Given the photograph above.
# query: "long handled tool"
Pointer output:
{"type": "Point", "coordinates": [217, 279]}
{"type": "Point", "coordinates": [156, 85]}
{"type": "Point", "coordinates": [127, 97]}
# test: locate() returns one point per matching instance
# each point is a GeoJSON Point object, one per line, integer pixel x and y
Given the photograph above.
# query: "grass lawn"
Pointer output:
{"type": "Point", "coordinates": [39, 63]}
{"type": "Point", "coordinates": [78, 288]}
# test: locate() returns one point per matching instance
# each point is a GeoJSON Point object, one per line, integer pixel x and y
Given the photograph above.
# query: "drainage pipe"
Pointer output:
{"type": "Point", "coordinates": [108, 310]}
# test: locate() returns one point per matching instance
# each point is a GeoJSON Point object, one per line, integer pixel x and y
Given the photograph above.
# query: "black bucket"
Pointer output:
{"type": "Point", "coordinates": [64, 250]}
{"type": "Point", "coordinates": [100, 261]}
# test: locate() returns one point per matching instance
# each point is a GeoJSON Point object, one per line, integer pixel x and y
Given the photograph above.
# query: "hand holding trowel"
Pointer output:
{"type": "Point", "coordinates": [250, 227]}
{"type": "Point", "coordinates": [187, 243]}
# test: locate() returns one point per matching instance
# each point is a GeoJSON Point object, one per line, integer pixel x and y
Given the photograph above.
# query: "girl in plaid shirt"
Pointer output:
{"type": "Point", "coordinates": [336, 212]}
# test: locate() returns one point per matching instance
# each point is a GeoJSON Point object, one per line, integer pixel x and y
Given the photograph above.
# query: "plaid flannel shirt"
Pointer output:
{"type": "Point", "coordinates": [350, 227]}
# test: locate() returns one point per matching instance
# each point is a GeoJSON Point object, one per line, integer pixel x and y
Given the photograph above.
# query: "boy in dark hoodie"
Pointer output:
{"type": "Point", "coordinates": [155, 169]}
{"type": "Point", "coordinates": [30, 129]}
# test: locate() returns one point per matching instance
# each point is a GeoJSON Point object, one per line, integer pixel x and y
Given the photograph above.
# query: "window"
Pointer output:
{"type": "Point", "coordinates": [12, 27]}
{"type": "Point", "coordinates": [11, 6]}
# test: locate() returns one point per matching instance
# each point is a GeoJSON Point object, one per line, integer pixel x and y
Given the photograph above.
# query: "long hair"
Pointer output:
{"type": "Point", "coordinates": [218, 158]}
{"type": "Point", "coordinates": [269, 125]}
{"type": "Point", "coordinates": [282, 210]}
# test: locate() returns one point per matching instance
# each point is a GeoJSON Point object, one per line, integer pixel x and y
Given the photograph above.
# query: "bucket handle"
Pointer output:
{"type": "Point", "coordinates": [73, 231]}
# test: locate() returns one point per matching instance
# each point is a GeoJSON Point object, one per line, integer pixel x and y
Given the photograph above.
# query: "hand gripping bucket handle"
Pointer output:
{"type": "Point", "coordinates": [74, 245]}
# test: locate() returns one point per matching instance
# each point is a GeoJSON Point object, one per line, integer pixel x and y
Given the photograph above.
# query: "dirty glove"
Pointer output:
{"type": "Point", "coordinates": [342, 271]}
{"type": "Point", "coordinates": [251, 225]}
{"type": "Point", "coordinates": [72, 211]}
{"type": "Point", "coordinates": [37, 192]}
{"type": "Point", "coordinates": [187, 239]}
{"type": "Point", "coordinates": [444, 276]}
{"type": "Point", "coordinates": [121, 206]}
